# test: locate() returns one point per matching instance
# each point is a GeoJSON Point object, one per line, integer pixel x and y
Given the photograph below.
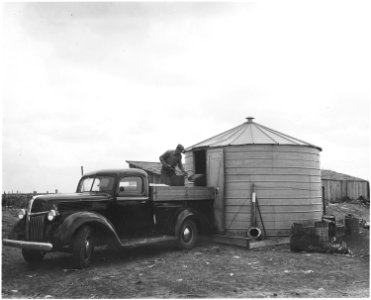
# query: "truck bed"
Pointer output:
{"type": "Point", "coordinates": [182, 193]}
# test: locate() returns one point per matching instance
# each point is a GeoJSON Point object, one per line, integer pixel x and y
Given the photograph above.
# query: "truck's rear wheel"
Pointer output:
{"type": "Point", "coordinates": [188, 234]}
{"type": "Point", "coordinates": [83, 247]}
{"type": "Point", "coordinates": [33, 256]}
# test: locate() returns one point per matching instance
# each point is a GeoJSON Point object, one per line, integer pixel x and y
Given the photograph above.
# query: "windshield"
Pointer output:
{"type": "Point", "coordinates": [96, 184]}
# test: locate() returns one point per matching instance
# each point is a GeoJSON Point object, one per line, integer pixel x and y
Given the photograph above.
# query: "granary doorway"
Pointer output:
{"type": "Point", "coordinates": [215, 178]}
{"type": "Point", "coordinates": [200, 165]}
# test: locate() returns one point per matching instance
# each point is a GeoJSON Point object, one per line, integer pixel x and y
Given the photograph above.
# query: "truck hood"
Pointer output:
{"type": "Point", "coordinates": [75, 201]}
{"type": "Point", "coordinates": [72, 197]}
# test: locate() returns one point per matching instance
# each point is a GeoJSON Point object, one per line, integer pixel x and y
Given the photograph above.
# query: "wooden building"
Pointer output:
{"type": "Point", "coordinates": [153, 169]}
{"type": "Point", "coordinates": [339, 187]}
{"type": "Point", "coordinates": [284, 172]}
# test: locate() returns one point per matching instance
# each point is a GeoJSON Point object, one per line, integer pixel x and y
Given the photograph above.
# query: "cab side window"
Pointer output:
{"type": "Point", "coordinates": [130, 186]}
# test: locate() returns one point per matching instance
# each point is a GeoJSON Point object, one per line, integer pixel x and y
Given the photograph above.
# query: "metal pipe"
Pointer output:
{"type": "Point", "coordinates": [254, 232]}
{"type": "Point", "coordinates": [253, 208]}
{"type": "Point", "coordinates": [261, 219]}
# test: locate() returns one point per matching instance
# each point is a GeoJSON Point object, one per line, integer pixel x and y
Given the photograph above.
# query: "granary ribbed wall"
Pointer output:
{"type": "Point", "coordinates": [286, 177]}
{"type": "Point", "coordinates": [287, 182]}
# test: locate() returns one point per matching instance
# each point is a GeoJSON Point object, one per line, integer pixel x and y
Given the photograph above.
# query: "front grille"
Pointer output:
{"type": "Point", "coordinates": [37, 228]}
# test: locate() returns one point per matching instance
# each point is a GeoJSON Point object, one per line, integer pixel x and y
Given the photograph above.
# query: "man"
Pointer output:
{"type": "Point", "coordinates": [169, 160]}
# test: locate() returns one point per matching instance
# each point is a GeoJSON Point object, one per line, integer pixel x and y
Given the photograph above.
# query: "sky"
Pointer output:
{"type": "Point", "coordinates": [96, 84]}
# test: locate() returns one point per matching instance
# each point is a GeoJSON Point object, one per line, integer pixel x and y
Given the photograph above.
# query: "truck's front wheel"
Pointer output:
{"type": "Point", "coordinates": [83, 247]}
{"type": "Point", "coordinates": [187, 236]}
{"type": "Point", "coordinates": [33, 256]}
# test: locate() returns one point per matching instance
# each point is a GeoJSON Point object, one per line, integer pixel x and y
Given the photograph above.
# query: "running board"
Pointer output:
{"type": "Point", "coordinates": [129, 243]}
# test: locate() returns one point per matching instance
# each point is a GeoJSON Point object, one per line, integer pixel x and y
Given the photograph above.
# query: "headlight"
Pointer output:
{"type": "Point", "coordinates": [52, 214]}
{"type": "Point", "coordinates": [21, 214]}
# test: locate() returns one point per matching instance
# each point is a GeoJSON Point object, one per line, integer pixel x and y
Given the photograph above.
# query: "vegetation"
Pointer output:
{"type": "Point", "coordinates": [15, 200]}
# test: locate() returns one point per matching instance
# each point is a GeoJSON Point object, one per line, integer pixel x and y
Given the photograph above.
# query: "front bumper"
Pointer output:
{"type": "Point", "coordinates": [28, 245]}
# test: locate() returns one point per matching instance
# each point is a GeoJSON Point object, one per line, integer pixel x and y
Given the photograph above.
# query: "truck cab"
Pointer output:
{"type": "Point", "coordinates": [116, 207]}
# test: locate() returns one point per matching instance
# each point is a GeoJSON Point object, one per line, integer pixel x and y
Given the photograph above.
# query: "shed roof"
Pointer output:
{"type": "Point", "coordinates": [250, 132]}
{"type": "Point", "coordinates": [332, 175]}
{"type": "Point", "coordinates": [149, 166]}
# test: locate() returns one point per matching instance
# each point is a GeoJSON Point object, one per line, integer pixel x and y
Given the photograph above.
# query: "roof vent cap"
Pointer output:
{"type": "Point", "coordinates": [249, 119]}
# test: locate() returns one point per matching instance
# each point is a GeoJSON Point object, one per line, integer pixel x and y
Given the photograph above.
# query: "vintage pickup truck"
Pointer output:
{"type": "Point", "coordinates": [111, 207]}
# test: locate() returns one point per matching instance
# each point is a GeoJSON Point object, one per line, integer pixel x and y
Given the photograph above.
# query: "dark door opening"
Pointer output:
{"type": "Point", "coordinates": [200, 167]}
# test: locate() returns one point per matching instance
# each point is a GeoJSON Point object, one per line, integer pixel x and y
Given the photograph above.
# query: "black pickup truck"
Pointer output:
{"type": "Point", "coordinates": [112, 207]}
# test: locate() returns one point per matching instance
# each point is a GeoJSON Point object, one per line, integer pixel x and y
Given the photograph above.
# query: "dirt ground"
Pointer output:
{"type": "Point", "coordinates": [209, 270]}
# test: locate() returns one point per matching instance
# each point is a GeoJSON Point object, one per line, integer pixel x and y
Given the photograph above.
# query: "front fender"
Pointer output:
{"type": "Point", "coordinates": [65, 231]}
{"type": "Point", "coordinates": [18, 230]}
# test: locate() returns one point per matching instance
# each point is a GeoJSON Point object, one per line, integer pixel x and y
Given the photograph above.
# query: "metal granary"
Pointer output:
{"type": "Point", "coordinates": [253, 161]}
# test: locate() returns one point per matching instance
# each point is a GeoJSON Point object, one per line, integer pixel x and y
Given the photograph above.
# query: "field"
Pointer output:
{"type": "Point", "coordinates": [209, 270]}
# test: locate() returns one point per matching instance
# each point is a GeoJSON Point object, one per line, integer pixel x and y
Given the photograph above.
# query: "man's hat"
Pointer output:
{"type": "Point", "coordinates": [181, 148]}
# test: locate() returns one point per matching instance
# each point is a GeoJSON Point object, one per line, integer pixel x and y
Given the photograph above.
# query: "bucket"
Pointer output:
{"type": "Point", "coordinates": [321, 230]}
{"type": "Point", "coordinates": [351, 225]}
{"type": "Point", "coordinates": [254, 233]}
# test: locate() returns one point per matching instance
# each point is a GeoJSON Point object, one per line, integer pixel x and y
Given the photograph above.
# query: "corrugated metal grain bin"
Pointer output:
{"type": "Point", "coordinates": [284, 172]}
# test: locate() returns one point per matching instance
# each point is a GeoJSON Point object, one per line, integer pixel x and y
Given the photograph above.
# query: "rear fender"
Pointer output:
{"type": "Point", "coordinates": [203, 223]}
{"type": "Point", "coordinates": [184, 214]}
{"type": "Point", "coordinates": [65, 232]}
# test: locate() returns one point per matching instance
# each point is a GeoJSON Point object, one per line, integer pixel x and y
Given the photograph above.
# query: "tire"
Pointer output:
{"type": "Point", "coordinates": [187, 236]}
{"type": "Point", "coordinates": [83, 247]}
{"type": "Point", "coordinates": [33, 256]}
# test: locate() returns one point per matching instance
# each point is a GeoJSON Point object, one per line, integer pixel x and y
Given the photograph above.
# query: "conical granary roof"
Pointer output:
{"type": "Point", "coordinates": [250, 132]}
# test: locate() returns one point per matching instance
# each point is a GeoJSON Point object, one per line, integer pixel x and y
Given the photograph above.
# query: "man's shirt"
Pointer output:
{"type": "Point", "coordinates": [172, 159]}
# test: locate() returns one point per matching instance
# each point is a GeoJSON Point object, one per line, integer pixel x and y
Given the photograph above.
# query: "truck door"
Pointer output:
{"type": "Point", "coordinates": [134, 208]}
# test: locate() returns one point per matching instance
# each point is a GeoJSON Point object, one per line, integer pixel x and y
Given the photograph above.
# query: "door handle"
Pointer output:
{"type": "Point", "coordinates": [143, 202]}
